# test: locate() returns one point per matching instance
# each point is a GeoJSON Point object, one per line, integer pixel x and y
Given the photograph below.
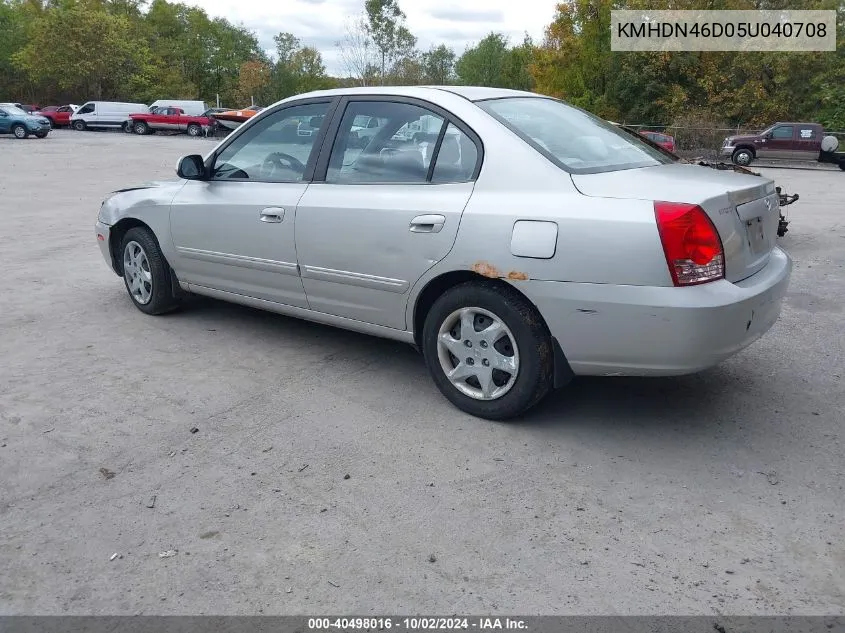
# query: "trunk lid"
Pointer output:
{"type": "Point", "coordinates": [743, 208]}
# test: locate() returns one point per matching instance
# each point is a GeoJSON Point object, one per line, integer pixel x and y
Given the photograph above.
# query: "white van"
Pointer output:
{"type": "Point", "coordinates": [191, 108]}
{"type": "Point", "coordinates": [105, 114]}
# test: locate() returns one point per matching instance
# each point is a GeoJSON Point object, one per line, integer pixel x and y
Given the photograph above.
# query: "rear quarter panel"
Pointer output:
{"type": "Point", "coordinates": [599, 240]}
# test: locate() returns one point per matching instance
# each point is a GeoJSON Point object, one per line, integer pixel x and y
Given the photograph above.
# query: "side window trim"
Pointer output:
{"type": "Point", "coordinates": [322, 163]}
{"type": "Point", "coordinates": [435, 152]}
{"type": "Point", "coordinates": [316, 148]}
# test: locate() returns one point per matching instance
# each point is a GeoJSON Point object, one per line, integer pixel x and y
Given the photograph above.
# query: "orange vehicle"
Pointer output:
{"type": "Point", "coordinates": [233, 118]}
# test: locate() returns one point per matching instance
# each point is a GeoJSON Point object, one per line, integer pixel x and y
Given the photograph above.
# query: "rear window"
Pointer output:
{"type": "Point", "coordinates": [573, 139]}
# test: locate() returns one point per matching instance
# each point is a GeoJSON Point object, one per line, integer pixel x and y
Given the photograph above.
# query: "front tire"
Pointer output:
{"type": "Point", "coordinates": [141, 128]}
{"type": "Point", "coordinates": [194, 130]}
{"type": "Point", "coordinates": [20, 131]}
{"type": "Point", "coordinates": [146, 273]}
{"type": "Point", "coordinates": [742, 157]}
{"type": "Point", "coordinates": [79, 126]}
{"type": "Point", "coordinates": [488, 350]}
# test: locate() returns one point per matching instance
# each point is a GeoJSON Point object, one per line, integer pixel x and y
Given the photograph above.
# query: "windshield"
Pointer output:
{"type": "Point", "coordinates": [10, 109]}
{"type": "Point", "coordinates": [573, 139]}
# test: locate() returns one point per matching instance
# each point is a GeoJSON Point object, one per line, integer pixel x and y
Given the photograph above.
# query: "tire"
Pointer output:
{"type": "Point", "coordinates": [194, 130]}
{"type": "Point", "coordinates": [146, 273]}
{"type": "Point", "coordinates": [141, 128]}
{"type": "Point", "coordinates": [79, 126]}
{"type": "Point", "coordinates": [52, 122]}
{"type": "Point", "coordinates": [524, 344]}
{"type": "Point", "coordinates": [20, 131]}
{"type": "Point", "coordinates": [742, 157]}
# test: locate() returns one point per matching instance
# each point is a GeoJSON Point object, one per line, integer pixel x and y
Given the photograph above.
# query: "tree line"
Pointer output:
{"type": "Point", "coordinates": [59, 51]}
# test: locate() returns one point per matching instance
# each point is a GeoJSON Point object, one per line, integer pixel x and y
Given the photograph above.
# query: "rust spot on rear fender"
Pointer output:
{"type": "Point", "coordinates": [517, 276]}
{"type": "Point", "coordinates": [486, 269]}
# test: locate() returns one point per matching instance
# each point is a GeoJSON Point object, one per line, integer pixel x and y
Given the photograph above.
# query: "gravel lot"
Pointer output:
{"type": "Point", "coordinates": [715, 493]}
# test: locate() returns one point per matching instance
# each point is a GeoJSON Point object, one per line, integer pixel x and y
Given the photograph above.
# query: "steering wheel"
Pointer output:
{"type": "Point", "coordinates": [276, 162]}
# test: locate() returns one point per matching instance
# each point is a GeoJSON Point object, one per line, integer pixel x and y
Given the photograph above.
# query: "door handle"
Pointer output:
{"type": "Point", "coordinates": [427, 223]}
{"type": "Point", "coordinates": [272, 214]}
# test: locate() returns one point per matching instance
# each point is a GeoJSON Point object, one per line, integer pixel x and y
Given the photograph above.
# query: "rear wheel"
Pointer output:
{"type": "Point", "coordinates": [194, 130]}
{"type": "Point", "coordinates": [79, 126]}
{"type": "Point", "coordinates": [742, 157]}
{"type": "Point", "coordinates": [146, 273]}
{"type": "Point", "coordinates": [488, 350]}
{"type": "Point", "coordinates": [19, 131]}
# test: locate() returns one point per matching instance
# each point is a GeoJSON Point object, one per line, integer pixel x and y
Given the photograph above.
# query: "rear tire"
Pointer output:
{"type": "Point", "coordinates": [146, 273]}
{"type": "Point", "coordinates": [79, 126]}
{"type": "Point", "coordinates": [455, 339]}
{"type": "Point", "coordinates": [20, 131]}
{"type": "Point", "coordinates": [194, 130]}
{"type": "Point", "coordinates": [742, 157]}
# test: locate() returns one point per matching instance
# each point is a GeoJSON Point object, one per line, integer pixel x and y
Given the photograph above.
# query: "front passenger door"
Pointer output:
{"type": "Point", "coordinates": [235, 231]}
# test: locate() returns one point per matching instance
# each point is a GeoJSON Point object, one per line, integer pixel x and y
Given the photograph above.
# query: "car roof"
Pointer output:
{"type": "Point", "coordinates": [471, 93]}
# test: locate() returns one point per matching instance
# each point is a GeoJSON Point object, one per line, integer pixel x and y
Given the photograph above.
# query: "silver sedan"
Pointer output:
{"type": "Point", "coordinates": [515, 240]}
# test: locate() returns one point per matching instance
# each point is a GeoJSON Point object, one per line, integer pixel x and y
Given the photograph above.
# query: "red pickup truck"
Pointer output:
{"type": "Point", "coordinates": [59, 115]}
{"type": "Point", "coordinates": [789, 141]}
{"type": "Point", "coordinates": [170, 119]}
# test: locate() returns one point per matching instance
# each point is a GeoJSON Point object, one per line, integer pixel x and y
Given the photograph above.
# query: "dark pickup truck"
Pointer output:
{"type": "Point", "coordinates": [785, 141]}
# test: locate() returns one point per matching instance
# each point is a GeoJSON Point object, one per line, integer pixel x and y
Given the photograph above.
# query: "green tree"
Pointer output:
{"type": "Point", "coordinates": [81, 48]}
{"type": "Point", "coordinates": [438, 65]}
{"type": "Point", "coordinates": [484, 64]}
{"type": "Point", "coordinates": [387, 30]}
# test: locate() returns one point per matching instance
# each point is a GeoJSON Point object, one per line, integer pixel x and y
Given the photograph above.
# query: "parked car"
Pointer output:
{"type": "Point", "coordinates": [170, 119]}
{"type": "Point", "coordinates": [193, 108]}
{"type": "Point", "coordinates": [59, 116]}
{"type": "Point", "coordinates": [790, 141]}
{"type": "Point", "coordinates": [543, 243]}
{"type": "Point", "coordinates": [665, 141]}
{"type": "Point", "coordinates": [14, 120]}
{"type": "Point", "coordinates": [105, 114]}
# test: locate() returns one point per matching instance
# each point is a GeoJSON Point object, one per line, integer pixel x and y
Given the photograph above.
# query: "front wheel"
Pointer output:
{"type": "Point", "coordinates": [146, 273]}
{"type": "Point", "coordinates": [79, 126]}
{"type": "Point", "coordinates": [20, 131]}
{"type": "Point", "coordinates": [488, 350]}
{"type": "Point", "coordinates": [140, 128]}
{"type": "Point", "coordinates": [194, 130]}
{"type": "Point", "coordinates": [742, 157]}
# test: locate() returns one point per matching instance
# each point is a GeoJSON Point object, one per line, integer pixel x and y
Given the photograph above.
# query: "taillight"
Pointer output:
{"type": "Point", "coordinates": [691, 243]}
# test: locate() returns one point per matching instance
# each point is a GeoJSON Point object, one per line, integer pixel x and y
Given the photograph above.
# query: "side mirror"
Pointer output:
{"type": "Point", "coordinates": [191, 168]}
{"type": "Point", "coordinates": [767, 135]}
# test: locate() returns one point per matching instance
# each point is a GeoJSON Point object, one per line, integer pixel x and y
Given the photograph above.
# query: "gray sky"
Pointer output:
{"type": "Point", "coordinates": [320, 23]}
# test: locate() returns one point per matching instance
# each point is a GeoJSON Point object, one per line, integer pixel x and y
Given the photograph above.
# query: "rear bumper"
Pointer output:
{"type": "Point", "coordinates": [660, 331]}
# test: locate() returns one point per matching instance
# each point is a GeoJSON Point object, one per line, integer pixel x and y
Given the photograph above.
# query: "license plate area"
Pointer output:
{"type": "Point", "coordinates": [760, 220]}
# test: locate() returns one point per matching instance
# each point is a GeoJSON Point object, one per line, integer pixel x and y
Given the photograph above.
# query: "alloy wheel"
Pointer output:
{"type": "Point", "coordinates": [478, 353]}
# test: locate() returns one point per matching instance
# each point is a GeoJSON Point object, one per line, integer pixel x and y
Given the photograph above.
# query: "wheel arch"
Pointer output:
{"type": "Point", "coordinates": [116, 234]}
{"type": "Point", "coordinates": [750, 148]}
{"type": "Point", "coordinates": [436, 286]}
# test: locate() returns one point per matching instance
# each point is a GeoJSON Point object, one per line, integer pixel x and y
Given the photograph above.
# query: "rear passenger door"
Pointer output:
{"type": "Point", "coordinates": [377, 218]}
{"type": "Point", "coordinates": [807, 142]}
